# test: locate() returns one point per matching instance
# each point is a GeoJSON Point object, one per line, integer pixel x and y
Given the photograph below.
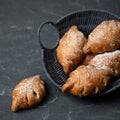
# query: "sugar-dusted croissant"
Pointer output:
{"type": "Point", "coordinates": [70, 49]}
{"type": "Point", "coordinates": [104, 38]}
{"type": "Point", "coordinates": [93, 78]}
{"type": "Point", "coordinates": [109, 61]}
{"type": "Point", "coordinates": [28, 93]}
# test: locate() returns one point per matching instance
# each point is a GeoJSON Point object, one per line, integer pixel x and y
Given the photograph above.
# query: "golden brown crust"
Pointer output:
{"type": "Point", "coordinates": [93, 78]}
{"type": "Point", "coordinates": [104, 38]}
{"type": "Point", "coordinates": [86, 80]}
{"type": "Point", "coordinates": [70, 49]}
{"type": "Point", "coordinates": [109, 60]}
{"type": "Point", "coordinates": [28, 93]}
{"type": "Point", "coordinates": [87, 58]}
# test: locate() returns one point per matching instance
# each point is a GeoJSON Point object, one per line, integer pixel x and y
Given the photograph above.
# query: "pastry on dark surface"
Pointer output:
{"type": "Point", "coordinates": [28, 93]}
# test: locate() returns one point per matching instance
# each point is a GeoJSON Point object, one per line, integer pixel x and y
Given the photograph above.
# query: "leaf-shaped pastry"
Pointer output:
{"type": "Point", "coordinates": [28, 93]}
{"type": "Point", "coordinates": [86, 80]}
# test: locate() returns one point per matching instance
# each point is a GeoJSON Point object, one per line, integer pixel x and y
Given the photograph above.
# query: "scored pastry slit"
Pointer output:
{"type": "Point", "coordinates": [104, 81]}
{"type": "Point", "coordinates": [95, 89]}
{"type": "Point", "coordinates": [82, 91]}
{"type": "Point", "coordinates": [26, 97]}
{"type": "Point", "coordinates": [35, 94]}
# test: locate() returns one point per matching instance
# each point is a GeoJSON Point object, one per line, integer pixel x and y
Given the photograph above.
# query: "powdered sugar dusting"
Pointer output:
{"type": "Point", "coordinates": [102, 67]}
{"type": "Point", "coordinates": [25, 85]}
{"type": "Point", "coordinates": [103, 61]}
{"type": "Point", "coordinates": [112, 45]}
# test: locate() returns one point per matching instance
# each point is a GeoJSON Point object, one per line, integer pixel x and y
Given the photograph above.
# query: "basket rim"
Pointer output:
{"type": "Point", "coordinates": [86, 10]}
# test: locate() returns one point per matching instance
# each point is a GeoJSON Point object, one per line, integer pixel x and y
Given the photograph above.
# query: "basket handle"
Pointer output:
{"type": "Point", "coordinates": [39, 32]}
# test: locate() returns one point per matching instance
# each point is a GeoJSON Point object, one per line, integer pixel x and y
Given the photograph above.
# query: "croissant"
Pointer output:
{"type": "Point", "coordinates": [104, 38]}
{"type": "Point", "coordinates": [93, 78]}
{"type": "Point", "coordinates": [28, 93]}
{"type": "Point", "coordinates": [70, 49]}
{"type": "Point", "coordinates": [110, 61]}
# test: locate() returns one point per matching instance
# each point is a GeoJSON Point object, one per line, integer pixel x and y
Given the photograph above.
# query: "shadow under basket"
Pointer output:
{"type": "Point", "coordinates": [86, 21]}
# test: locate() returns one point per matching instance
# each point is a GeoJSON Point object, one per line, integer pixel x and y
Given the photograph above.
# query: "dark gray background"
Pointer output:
{"type": "Point", "coordinates": [20, 57]}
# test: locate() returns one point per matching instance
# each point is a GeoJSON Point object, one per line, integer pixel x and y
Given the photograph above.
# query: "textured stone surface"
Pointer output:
{"type": "Point", "coordinates": [20, 57]}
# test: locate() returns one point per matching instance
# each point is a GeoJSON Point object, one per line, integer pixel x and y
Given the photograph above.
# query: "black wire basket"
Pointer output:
{"type": "Point", "coordinates": [86, 21]}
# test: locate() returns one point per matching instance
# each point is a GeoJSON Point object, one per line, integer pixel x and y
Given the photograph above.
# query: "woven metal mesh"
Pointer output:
{"type": "Point", "coordinates": [86, 21]}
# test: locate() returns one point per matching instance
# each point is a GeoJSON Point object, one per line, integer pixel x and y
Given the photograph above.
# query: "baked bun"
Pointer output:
{"type": "Point", "coordinates": [104, 38]}
{"type": "Point", "coordinates": [70, 49]}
